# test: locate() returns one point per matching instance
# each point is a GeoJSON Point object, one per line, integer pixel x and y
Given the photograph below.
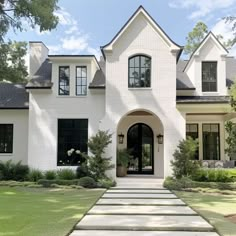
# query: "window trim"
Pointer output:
{"type": "Point", "coordinates": [81, 86]}
{"type": "Point", "coordinates": [208, 82]}
{"type": "Point", "coordinates": [12, 139]}
{"type": "Point", "coordinates": [59, 67]}
{"type": "Point", "coordinates": [219, 140]}
{"type": "Point", "coordinates": [139, 55]}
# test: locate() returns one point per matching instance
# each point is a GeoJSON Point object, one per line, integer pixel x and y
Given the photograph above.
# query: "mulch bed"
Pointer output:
{"type": "Point", "coordinates": [231, 218]}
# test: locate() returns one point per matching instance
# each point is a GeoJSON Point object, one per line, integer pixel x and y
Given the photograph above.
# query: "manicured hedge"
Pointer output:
{"type": "Point", "coordinates": [186, 183]}
{"type": "Point", "coordinates": [215, 175]}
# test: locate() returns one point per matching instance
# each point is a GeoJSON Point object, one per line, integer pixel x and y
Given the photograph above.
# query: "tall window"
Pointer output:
{"type": "Point", "coordinates": [209, 76]}
{"type": "Point", "coordinates": [81, 80]}
{"type": "Point", "coordinates": [6, 138]}
{"type": "Point", "coordinates": [192, 131]}
{"type": "Point", "coordinates": [139, 72]}
{"type": "Point", "coordinates": [72, 139]}
{"type": "Point", "coordinates": [211, 141]}
{"type": "Point", "coordinates": [64, 80]}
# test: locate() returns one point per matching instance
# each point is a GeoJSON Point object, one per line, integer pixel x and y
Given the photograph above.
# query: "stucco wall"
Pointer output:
{"type": "Point", "coordinates": [19, 119]}
{"type": "Point", "coordinates": [45, 110]}
{"type": "Point", "coordinates": [141, 38]}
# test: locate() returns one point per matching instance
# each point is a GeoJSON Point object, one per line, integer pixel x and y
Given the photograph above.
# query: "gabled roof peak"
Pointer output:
{"type": "Point", "coordinates": [141, 9]}
{"type": "Point", "coordinates": [207, 37]}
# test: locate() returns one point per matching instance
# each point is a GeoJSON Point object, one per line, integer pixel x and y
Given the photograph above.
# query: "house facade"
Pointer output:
{"type": "Point", "coordinates": [140, 90]}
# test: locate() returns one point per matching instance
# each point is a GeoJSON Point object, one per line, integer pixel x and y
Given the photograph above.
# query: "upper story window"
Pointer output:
{"type": "Point", "coordinates": [81, 80]}
{"type": "Point", "coordinates": [64, 80]}
{"type": "Point", "coordinates": [209, 76]}
{"type": "Point", "coordinates": [139, 71]}
{"type": "Point", "coordinates": [6, 138]}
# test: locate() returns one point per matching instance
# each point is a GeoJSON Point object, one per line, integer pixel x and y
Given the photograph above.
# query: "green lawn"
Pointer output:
{"type": "Point", "coordinates": [42, 212]}
{"type": "Point", "coordinates": [213, 207]}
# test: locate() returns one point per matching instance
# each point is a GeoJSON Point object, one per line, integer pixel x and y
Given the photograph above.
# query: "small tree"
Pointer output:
{"type": "Point", "coordinates": [230, 127]}
{"type": "Point", "coordinates": [183, 163]}
{"type": "Point", "coordinates": [97, 163]}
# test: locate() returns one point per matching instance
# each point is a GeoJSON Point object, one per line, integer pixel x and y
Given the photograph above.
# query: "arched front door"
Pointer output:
{"type": "Point", "coordinates": [140, 144]}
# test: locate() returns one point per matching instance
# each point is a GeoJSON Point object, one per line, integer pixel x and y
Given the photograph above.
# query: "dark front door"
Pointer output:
{"type": "Point", "coordinates": [140, 144]}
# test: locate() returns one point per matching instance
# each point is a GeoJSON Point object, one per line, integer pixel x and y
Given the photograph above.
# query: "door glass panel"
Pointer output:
{"type": "Point", "coordinates": [146, 148]}
{"type": "Point", "coordinates": [140, 144]}
{"type": "Point", "coordinates": [133, 146]}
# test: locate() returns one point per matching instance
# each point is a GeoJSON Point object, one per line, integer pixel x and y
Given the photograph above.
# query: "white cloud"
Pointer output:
{"type": "Point", "coordinates": [232, 51]}
{"type": "Point", "coordinates": [94, 51]}
{"type": "Point", "coordinates": [72, 40]}
{"type": "Point", "coordinates": [72, 29]}
{"type": "Point", "coordinates": [54, 49]}
{"type": "Point", "coordinates": [65, 17]}
{"type": "Point", "coordinates": [223, 28]}
{"type": "Point", "coordinates": [202, 8]}
{"type": "Point", "coordinates": [73, 43]}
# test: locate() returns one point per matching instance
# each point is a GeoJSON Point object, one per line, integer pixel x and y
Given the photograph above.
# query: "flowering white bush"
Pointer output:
{"type": "Point", "coordinates": [77, 151]}
{"type": "Point", "coordinates": [70, 152]}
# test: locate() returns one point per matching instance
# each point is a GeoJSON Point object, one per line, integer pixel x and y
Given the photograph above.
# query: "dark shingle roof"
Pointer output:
{"type": "Point", "coordinates": [183, 82]}
{"type": "Point", "coordinates": [42, 78]}
{"type": "Point", "coordinates": [13, 96]}
{"type": "Point", "coordinates": [201, 99]}
{"type": "Point", "coordinates": [99, 80]}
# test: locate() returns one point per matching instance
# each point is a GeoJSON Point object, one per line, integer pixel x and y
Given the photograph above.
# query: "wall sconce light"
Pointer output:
{"type": "Point", "coordinates": [121, 138]}
{"type": "Point", "coordinates": [160, 138]}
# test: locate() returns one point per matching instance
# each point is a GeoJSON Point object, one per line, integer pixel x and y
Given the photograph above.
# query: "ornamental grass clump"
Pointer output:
{"type": "Point", "coordinates": [13, 171]}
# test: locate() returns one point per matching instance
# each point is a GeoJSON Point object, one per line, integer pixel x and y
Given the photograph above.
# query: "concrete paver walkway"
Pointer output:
{"type": "Point", "coordinates": [142, 207]}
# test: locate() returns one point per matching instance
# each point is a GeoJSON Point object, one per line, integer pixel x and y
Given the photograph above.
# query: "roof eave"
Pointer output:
{"type": "Point", "coordinates": [173, 45]}
{"type": "Point", "coordinates": [200, 45]}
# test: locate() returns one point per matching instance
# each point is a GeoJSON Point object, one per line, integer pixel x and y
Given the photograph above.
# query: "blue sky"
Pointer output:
{"type": "Point", "coordinates": [85, 25]}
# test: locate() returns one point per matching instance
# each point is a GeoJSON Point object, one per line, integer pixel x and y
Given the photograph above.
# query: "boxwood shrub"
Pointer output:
{"type": "Point", "coordinates": [214, 175]}
{"type": "Point", "coordinates": [87, 182]}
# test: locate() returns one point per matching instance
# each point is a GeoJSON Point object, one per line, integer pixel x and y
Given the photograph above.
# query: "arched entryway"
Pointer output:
{"type": "Point", "coordinates": [140, 144]}
{"type": "Point", "coordinates": [140, 129]}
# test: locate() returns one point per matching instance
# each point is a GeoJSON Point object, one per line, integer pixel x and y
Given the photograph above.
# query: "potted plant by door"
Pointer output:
{"type": "Point", "coordinates": [123, 158]}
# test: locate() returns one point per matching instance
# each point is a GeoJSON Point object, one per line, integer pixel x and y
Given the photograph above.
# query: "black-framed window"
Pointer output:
{"type": "Point", "coordinates": [64, 80]}
{"type": "Point", "coordinates": [209, 76]}
{"type": "Point", "coordinates": [139, 71]}
{"type": "Point", "coordinates": [81, 80]}
{"type": "Point", "coordinates": [211, 141]}
{"type": "Point", "coordinates": [192, 131]}
{"type": "Point", "coordinates": [6, 138]}
{"type": "Point", "coordinates": [72, 140]}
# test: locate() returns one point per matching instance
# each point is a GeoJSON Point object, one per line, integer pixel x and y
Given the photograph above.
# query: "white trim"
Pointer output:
{"type": "Point", "coordinates": [170, 44]}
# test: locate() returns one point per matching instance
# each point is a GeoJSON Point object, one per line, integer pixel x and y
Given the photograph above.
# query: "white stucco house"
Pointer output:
{"type": "Point", "coordinates": [140, 91]}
